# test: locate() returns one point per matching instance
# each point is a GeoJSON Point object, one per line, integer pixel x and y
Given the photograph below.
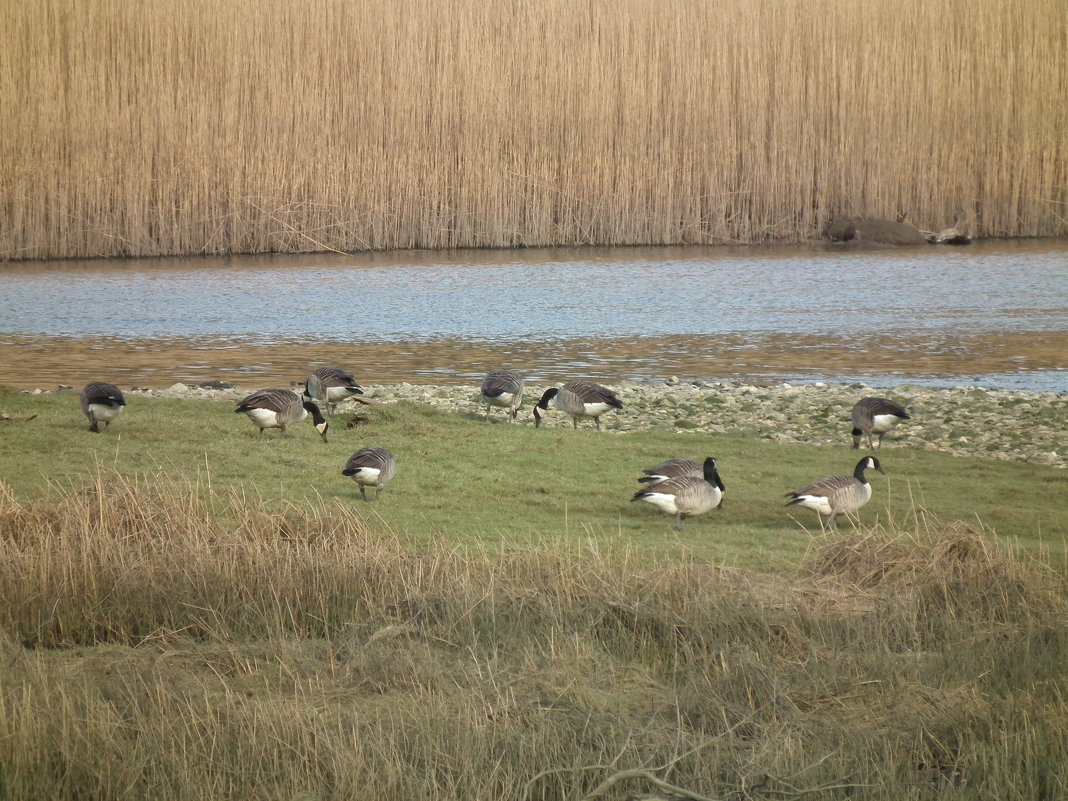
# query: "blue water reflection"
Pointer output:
{"type": "Point", "coordinates": [544, 295]}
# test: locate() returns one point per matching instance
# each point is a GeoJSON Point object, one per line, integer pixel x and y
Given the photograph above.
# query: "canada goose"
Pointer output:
{"type": "Point", "coordinates": [502, 388]}
{"type": "Point", "coordinates": [280, 408]}
{"type": "Point", "coordinates": [101, 403]}
{"type": "Point", "coordinates": [672, 468]}
{"type": "Point", "coordinates": [331, 385]}
{"type": "Point", "coordinates": [837, 495]}
{"type": "Point", "coordinates": [875, 416]}
{"type": "Point", "coordinates": [371, 467]}
{"type": "Point", "coordinates": [686, 496]}
{"type": "Point", "coordinates": [583, 400]}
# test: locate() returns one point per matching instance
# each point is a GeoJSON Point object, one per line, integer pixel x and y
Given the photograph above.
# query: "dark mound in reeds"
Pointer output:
{"type": "Point", "coordinates": [882, 232]}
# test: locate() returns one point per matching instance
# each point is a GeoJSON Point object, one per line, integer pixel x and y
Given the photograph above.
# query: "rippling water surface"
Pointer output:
{"type": "Point", "coordinates": [996, 310]}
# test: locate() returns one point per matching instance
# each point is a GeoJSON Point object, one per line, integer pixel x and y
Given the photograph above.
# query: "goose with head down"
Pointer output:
{"type": "Point", "coordinates": [371, 467]}
{"type": "Point", "coordinates": [280, 408]}
{"type": "Point", "coordinates": [101, 403]}
{"type": "Point", "coordinates": [331, 385]}
{"type": "Point", "coordinates": [875, 416]}
{"type": "Point", "coordinates": [581, 400]}
{"type": "Point", "coordinates": [503, 389]}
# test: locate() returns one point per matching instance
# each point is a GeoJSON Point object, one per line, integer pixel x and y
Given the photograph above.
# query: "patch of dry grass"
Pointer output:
{"type": "Point", "coordinates": [148, 128]}
{"type": "Point", "coordinates": [159, 641]}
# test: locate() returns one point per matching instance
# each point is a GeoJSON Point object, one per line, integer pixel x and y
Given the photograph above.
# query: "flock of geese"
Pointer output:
{"type": "Point", "coordinates": [678, 487]}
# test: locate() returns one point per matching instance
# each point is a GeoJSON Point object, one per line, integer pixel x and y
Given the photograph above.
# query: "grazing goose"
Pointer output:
{"type": "Point", "coordinates": [331, 385]}
{"type": "Point", "coordinates": [672, 468]}
{"type": "Point", "coordinates": [280, 408]}
{"type": "Point", "coordinates": [837, 495]}
{"type": "Point", "coordinates": [502, 388]}
{"type": "Point", "coordinates": [583, 400]}
{"type": "Point", "coordinates": [875, 416]}
{"type": "Point", "coordinates": [101, 403]}
{"type": "Point", "coordinates": [371, 467]}
{"type": "Point", "coordinates": [686, 496]}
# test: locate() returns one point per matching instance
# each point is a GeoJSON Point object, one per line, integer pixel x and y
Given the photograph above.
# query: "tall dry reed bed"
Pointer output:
{"type": "Point", "coordinates": [241, 126]}
{"type": "Point", "coordinates": [160, 641]}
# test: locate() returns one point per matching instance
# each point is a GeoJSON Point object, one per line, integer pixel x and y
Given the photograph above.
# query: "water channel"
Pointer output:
{"type": "Point", "coordinates": [994, 313]}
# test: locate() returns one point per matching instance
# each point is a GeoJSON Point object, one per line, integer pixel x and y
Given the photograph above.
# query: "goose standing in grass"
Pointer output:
{"type": "Point", "coordinates": [371, 467]}
{"type": "Point", "coordinates": [281, 408]}
{"type": "Point", "coordinates": [582, 400]}
{"type": "Point", "coordinates": [837, 495]}
{"type": "Point", "coordinates": [686, 496]}
{"type": "Point", "coordinates": [101, 403]}
{"type": "Point", "coordinates": [672, 468]}
{"type": "Point", "coordinates": [875, 416]}
{"type": "Point", "coordinates": [331, 385]}
{"type": "Point", "coordinates": [503, 388]}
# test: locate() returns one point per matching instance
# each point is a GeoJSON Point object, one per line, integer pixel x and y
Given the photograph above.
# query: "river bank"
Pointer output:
{"type": "Point", "coordinates": [966, 420]}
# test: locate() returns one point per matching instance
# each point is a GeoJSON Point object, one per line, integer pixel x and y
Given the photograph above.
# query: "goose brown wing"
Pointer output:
{"type": "Point", "coordinates": [825, 486]}
{"type": "Point", "coordinates": [867, 408]}
{"type": "Point", "coordinates": [497, 382]}
{"type": "Point", "coordinates": [325, 379]}
{"type": "Point", "coordinates": [693, 495]}
{"type": "Point", "coordinates": [671, 468]}
{"type": "Point", "coordinates": [334, 377]}
{"type": "Point", "coordinates": [100, 392]}
{"type": "Point", "coordinates": [589, 392]}
{"type": "Point", "coordinates": [279, 401]}
{"type": "Point", "coordinates": [379, 459]}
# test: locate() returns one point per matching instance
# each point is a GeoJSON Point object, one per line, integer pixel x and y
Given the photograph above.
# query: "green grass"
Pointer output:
{"type": "Point", "coordinates": [466, 480]}
{"type": "Point", "coordinates": [223, 618]}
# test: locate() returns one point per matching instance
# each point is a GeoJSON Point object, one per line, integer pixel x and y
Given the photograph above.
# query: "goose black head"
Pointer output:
{"type": "Point", "coordinates": [711, 472]}
{"type": "Point", "coordinates": [543, 404]}
{"type": "Point", "coordinates": [317, 418]}
{"type": "Point", "coordinates": [857, 436]}
{"type": "Point", "coordinates": [709, 469]}
{"type": "Point", "coordinates": [547, 396]}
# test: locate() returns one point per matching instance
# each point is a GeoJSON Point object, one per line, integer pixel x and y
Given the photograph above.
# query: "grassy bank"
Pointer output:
{"type": "Point", "coordinates": [163, 643]}
{"type": "Point", "coordinates": [149, 129]}
{"type": "Point", "coordinates": [193, 611]}
{"type": "Point", "coordinates": [463, 479]}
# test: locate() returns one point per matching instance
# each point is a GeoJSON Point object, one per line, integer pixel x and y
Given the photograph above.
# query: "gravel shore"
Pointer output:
{"type": "Point", "coordinates": [998, 424]}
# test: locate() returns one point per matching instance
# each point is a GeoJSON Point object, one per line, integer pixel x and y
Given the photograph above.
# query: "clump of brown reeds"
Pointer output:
{"type": "Point", "coordinates": [963, 563]}
{"type": "Point", "coordinates": [159, 640]}
{"type": "Point", "coordinates": [242, 126]}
